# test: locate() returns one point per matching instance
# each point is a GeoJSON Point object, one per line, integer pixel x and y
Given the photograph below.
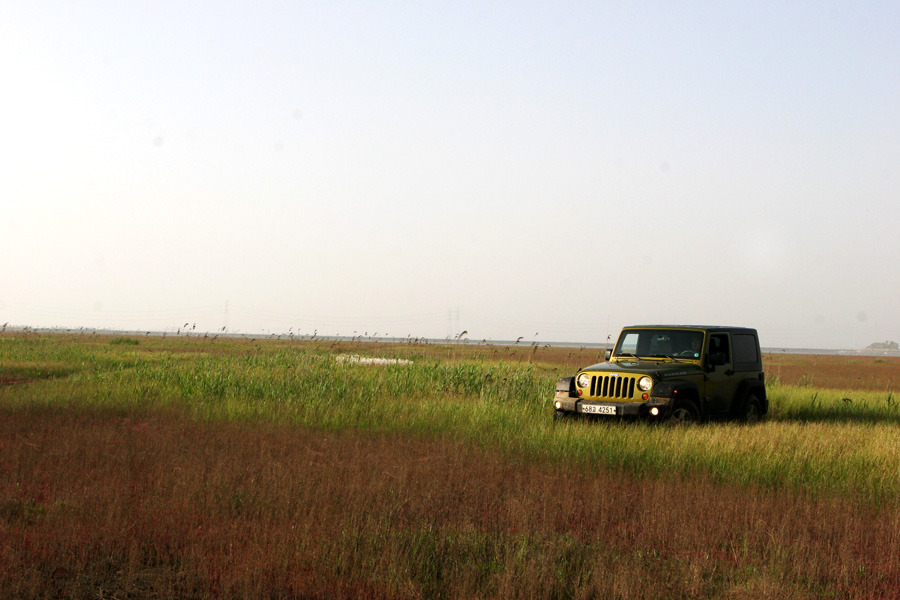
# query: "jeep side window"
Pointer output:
{"type": "Point", "coordinates": [745, 348]}
{"type": "Point", "coordinates": [718, 342]}
{"type": "Point", "coordinates": [746, 352]}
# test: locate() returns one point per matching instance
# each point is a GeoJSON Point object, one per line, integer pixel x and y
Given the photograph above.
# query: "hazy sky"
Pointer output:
{"type": "Point", "coordinates": [552, 170]}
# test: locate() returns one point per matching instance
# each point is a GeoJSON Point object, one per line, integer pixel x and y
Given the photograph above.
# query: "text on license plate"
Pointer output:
{"type": "Point", "coordinates": [598, 409]}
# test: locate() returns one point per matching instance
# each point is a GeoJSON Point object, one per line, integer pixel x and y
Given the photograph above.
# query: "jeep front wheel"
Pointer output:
{"type": "Point", "coordinates": [685, 413]}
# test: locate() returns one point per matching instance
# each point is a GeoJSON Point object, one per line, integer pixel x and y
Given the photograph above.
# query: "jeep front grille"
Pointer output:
{"type": "Point", "coordinates": [604, 386]}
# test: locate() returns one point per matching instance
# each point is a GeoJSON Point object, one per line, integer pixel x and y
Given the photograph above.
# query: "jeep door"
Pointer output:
{"type": "Point", "coordinates": [721, 383]}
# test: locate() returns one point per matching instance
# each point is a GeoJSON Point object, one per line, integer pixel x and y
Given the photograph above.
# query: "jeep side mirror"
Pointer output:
{"type": "Point", "coordinates": [608, 353]}
{"type": "Point", "coordinates": [716, 359]}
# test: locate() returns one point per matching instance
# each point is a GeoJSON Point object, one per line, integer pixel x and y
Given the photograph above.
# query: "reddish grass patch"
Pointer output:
{"type": "Point", "coordinates": [875, 373]}
{"type": "Point", "coordinates": [120, 506]}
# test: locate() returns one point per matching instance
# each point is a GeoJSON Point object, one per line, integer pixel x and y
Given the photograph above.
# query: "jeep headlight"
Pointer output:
{"type": "Point", "coordinates": [645, 383]}
{"type": "Point", "coordinates": [584, 380]}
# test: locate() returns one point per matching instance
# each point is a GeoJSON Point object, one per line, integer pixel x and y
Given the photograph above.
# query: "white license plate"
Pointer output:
{"type": "Point", "coordinates": [598, 409]}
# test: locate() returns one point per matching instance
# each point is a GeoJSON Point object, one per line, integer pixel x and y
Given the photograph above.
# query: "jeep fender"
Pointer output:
{"type": "Point", "coordinates": [678, 389]}
{"type": "Point", "coordinates": [745, 388]}
{"type": "Point", "coordinates": [566, 384]}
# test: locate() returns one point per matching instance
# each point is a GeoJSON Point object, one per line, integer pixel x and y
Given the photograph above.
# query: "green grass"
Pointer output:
{"type": "Point", "coordinates": [827, 441]}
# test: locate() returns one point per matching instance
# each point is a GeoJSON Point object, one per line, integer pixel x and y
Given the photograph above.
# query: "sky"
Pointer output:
{"type": "Point", "coordinates": [546, 170]}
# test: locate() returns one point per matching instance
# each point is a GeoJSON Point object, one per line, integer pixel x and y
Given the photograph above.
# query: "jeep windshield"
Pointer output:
{"type": "Point", "coordinates": [671, 344]}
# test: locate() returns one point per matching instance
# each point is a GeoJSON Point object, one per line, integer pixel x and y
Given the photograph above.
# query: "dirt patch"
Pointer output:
{"type": "Point", "coordinates": [370, 360]}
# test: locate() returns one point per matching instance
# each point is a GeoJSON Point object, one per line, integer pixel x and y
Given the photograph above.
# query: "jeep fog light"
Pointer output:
{"type": "Point", "coordinates": [584, 380]}
{"type": "Point", "coordinates": [558, 405]}
{"type": "Point", "coordinates": [645, 383]}
{"type": "Point", "coordinates": [653, 411]}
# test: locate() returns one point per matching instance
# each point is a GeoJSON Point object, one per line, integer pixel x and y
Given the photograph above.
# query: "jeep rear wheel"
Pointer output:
{"type": "Point", "coordinates": [752, 412]}
{"type": "Point", "coordinates": [685, 413]}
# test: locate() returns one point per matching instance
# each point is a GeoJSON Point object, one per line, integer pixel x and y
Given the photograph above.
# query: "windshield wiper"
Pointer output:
{"type": "Point", "coordinates": [660, 356]}
{"type": "Point", "coordinates": [682, 358]}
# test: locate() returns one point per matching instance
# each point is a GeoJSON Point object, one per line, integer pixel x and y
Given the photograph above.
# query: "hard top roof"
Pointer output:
{"type": "Point", "coordinates": [703, 327]}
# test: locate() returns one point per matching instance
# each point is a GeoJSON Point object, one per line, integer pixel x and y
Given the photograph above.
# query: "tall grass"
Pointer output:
{"type": "Point", "coordinates": [805, 404]}
{"type": "Point", "coordinates": [828, 441]}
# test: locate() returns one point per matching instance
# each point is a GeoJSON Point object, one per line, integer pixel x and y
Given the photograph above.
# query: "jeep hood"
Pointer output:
{"type": "Point", "coordinates": [660, 368]}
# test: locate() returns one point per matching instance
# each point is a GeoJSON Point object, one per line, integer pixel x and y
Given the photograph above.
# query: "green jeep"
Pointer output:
{"type": "Point", "coordinates": [671, 372]}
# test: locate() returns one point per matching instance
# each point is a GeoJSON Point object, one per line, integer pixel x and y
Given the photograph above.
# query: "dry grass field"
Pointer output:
{"type": "Point", "coordinates": [266, 469]}
{"type": "Point", "coordinates": [844, 372]}
{"type": "Point", "coordinates": [156, 507]}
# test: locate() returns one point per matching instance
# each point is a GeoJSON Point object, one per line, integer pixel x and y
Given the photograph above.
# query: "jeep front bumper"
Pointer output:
{"type": "Point", "coordinates": [653, 408]}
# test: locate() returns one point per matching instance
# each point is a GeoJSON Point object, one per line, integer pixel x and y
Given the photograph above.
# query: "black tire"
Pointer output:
{"type": "Point", "coordinates": [684, 413]}
{"type": "Point", "coordinates": [752, 412]}
{"type": "Point", "coordinates": [561, 415]}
